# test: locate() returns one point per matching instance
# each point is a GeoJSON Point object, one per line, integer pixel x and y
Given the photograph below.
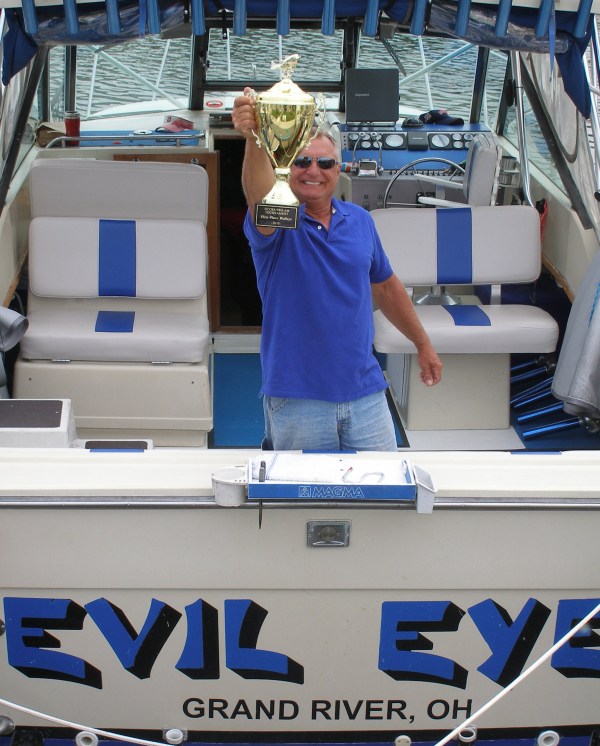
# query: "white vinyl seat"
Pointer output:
{"type": "Point", "coordinates": [460, 248]}
{"type": "Point", "coordinates": [117, 306]}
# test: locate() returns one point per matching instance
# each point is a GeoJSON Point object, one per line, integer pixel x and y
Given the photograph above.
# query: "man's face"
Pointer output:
{"type": "Point", "coordinates": [315, 184]}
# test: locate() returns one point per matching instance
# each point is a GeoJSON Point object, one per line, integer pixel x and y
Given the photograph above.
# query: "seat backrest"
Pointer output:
{"type": "Point", "coordinates": [129, 229]}
{"type": "Point", "coordinates": [91, 258]}
{"type": "Point", "coordinates": [458, 246]}
{"type": "Point", "coordinates": [482, 170]}
{"type": "Point", "coordinates": [84, 187]}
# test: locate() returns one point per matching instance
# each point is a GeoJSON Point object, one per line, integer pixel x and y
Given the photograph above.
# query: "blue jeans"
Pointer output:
{"type": "Point", "coordinates": [312, 425]}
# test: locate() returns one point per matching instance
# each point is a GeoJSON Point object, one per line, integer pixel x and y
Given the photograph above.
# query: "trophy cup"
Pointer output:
{"type": "Point", "coordinates": [286, 118]}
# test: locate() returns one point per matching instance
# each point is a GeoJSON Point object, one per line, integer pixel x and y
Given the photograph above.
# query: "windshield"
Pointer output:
{"type": "Point", "coordinates": [154, 74]}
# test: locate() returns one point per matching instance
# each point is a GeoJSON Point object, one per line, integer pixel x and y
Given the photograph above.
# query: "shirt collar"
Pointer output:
{"type": "Point", "coordinates": [338, 208]}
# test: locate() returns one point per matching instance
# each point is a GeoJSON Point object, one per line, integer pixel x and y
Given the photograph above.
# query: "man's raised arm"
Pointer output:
{"type": "Point", "coordinates": [257, 172]}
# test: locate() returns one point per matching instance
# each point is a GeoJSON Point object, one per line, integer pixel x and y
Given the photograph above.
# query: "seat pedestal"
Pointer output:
{"type": "Point", "coordinates": [473, 392]}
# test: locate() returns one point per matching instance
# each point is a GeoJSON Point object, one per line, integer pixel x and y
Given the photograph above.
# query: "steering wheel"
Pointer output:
{"type": "Point", "coordinates": [455, 169]}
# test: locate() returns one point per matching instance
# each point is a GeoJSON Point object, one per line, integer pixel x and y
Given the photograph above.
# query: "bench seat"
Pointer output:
{"type": "Point", "coordinates": [460, 248]}
{"type": "Point", "coordinates": [117, 304]}
{"type": "Point", "coordinates": [453, 329]}
{"type": "Point", "coordinates": [116, 336]}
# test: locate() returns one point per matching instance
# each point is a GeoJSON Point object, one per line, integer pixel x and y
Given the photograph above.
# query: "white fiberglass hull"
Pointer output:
{"type": "Point", "coordinates": [222, 620]}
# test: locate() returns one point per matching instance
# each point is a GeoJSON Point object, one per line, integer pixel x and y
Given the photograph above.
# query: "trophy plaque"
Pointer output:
{"type": "Point", "coordinates": [286, 119]}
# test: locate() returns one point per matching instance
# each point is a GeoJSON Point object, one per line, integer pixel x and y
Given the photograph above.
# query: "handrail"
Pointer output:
{"type": "Point", "coordinates": [160, 136]}
{"type": "Point", "coordinates": [521, 135]}
{"type": "Point", "coordinates": [593, 73]}
{"type": "Point", "coordinates": [99, 52]}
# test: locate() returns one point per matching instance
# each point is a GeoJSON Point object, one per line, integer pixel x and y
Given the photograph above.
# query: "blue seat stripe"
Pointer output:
{"type": "Point", "coordinates": [116, 257]}
{"type": "Point", "coordinates": [454, 245]}
{"type": "Point", "coordinates": [115, 321]}
{"type": "Point", "coordinates": [468, 315]}
{"type": "Point", "coordinates": [117, 450]}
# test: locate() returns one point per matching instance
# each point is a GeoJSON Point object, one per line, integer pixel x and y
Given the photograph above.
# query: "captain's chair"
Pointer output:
{"type": "Point", "coordinates": [479, 185]}
{"type": "Point", "coordinates": [117, 307]}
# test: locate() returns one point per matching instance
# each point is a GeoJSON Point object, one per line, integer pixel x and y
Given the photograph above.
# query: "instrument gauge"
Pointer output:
{"type": "Point", "coordinates": [394, 141]}
{"type": "Point", "coordinates": [440, 141]}
{"type": "Point", "coordinates": [365, 144]}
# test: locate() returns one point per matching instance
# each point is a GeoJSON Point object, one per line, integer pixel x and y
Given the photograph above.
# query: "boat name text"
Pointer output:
{"type": "Point", "coordinates": [404, 649]}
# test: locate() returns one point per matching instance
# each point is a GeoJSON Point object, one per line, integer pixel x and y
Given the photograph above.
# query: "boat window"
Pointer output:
{"type": "Point", "coordinates": [537, 149]}
{"type": "Point", "coordinates": [151, 74]}
{"type": "Point", "coordinates": [493, 90]}
{"type": "Point", "coordinates": [248, 58]}
{"type": "Point", "coordinates": [436, 73]}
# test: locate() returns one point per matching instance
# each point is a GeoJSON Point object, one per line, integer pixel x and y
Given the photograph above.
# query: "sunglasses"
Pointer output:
{"type": "Point", "coordinates": [323, 163]}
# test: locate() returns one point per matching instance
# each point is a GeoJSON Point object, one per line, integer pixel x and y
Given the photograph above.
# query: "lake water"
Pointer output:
{"type": "Point", "coordinates": [248, 58]}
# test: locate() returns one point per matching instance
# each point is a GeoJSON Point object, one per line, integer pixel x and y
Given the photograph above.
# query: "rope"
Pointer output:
{"type": "Point", "coordinates": [521, 677]}
{"type": "Point", "coordinates": [78, 726]}
{"type": "Point", "coordinates": [143, 742]}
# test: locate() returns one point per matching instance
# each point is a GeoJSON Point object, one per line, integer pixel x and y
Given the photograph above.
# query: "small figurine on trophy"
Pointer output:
{"type": "Point", "coordinates": [286, 119]}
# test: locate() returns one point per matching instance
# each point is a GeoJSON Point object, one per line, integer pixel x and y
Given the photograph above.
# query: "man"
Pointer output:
{"type": "Point", "coordinates": [322, 386]}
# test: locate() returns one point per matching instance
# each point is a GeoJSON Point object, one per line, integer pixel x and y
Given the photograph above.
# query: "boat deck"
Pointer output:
{"type": "Point", "coordinates": [238, 417]}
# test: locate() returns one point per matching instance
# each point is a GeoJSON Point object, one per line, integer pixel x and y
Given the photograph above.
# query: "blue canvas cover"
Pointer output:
{"type": "Point", "coordinates": [566, 36]}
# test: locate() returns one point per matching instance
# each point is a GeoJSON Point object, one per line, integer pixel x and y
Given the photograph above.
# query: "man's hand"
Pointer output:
{"type": "Point", "coordinates": [244, 115]}
{"type": "Point", "coordinates": [430, 364]}
{"type": "Point", "coordinates": [394, 301]}
{"type": "Point", "coordinates": [258, 176]}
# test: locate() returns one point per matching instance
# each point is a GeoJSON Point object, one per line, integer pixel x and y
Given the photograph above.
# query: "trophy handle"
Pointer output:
{"type": "Point", "coordinates": [253, 95]}
{"type": "Point", "coordinates": [320, 113]}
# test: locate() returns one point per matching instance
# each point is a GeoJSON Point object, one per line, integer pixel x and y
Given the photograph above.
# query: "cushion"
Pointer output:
{"type": "Point", "coordinates": [86, 187]}
{"type": "Point", "coordinates": [88, 258]}
{"type": "Point", "coordinates": [474, 329]}
{"type": "Point", "coordinates": [465, 245]}
{"type": "Point", "coordinates": [116, 336]}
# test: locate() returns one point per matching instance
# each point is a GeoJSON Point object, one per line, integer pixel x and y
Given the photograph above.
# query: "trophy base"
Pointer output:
{"type": "Point", "coordinates": [276, 216]}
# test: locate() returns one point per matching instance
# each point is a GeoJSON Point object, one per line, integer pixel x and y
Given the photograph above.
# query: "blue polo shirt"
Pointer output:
{"type": "Point", "coordinates": [315, 286]}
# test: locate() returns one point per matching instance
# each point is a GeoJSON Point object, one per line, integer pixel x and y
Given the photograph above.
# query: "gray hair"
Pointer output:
{"type": "Point", "coordinates": [333, 138]}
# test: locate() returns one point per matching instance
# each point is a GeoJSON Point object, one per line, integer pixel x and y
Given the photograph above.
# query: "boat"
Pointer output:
{"type": "Point", "coordinates": [164, 580]}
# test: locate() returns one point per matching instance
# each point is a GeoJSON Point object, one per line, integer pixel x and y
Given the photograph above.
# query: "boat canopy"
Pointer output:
{"type": "Point", "coordinates": [508, 25]}
{"type": "Point", "coordinates": [73, 21]}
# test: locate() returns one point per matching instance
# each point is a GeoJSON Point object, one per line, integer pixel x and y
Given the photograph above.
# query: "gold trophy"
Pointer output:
{"type": "Point", "coordinates": [286, 118]}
